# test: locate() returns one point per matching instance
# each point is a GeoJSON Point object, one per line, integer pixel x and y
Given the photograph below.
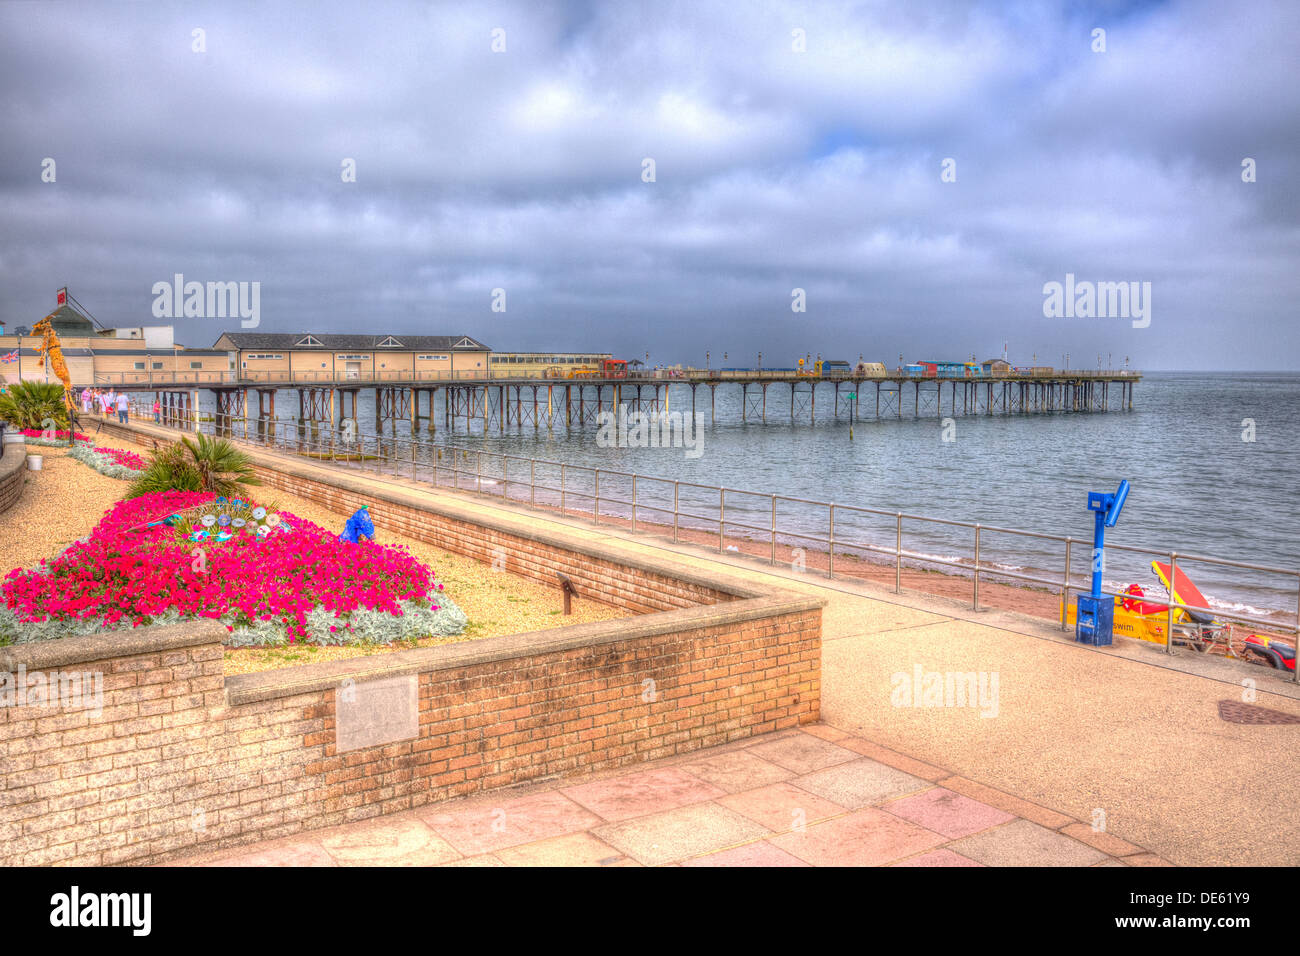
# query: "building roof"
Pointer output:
{"type": "Point", "coordinates": [329, 342]}
{"type": "Point", "coordinates": [66, 320]}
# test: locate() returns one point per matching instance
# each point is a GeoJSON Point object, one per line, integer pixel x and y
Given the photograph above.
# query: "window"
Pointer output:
{"type": "Point", "coordinates": [157, 366]}
{"type": "Point", "coordinates": [353, 358]}
{"type": "Point", "coordinates": [273, 358]}
{"type": "Point", "coordinates": [437, 358]}
{"type": "Point", "coordinates": [196, 365]}
{"type": "Point", "coordinates": [309, 340]}
{"type": "Point", "coordinates": [140, 366]}
{"type": "Point", "coordinates": [390, 343]}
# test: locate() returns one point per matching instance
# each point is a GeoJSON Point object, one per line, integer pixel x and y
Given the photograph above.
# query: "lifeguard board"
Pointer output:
{"type": "Point", "coordinates": [1183, 591]}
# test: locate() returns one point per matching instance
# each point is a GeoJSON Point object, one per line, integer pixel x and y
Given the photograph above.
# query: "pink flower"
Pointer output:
{"type": "Point", "coordinates": [127, 569]}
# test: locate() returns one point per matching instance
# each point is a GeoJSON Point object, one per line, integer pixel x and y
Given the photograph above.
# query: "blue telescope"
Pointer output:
{"type": "Point", "coordinates": [1095, 620]}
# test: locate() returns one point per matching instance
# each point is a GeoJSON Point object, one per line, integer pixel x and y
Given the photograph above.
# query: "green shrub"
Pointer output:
{"type": "Point", "coordinates": [207, 464]}
{"type": "Point", "coordinates": [32, 404]}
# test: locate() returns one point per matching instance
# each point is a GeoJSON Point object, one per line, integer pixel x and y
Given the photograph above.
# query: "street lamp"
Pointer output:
{"type": "Point", "coordinates": [706, 360]}
{"type": "Point", "coordinates": [760, 361]}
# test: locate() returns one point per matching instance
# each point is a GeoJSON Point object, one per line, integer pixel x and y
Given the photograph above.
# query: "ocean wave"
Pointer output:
{"type": "Point", "coordinates": [1239, 607]}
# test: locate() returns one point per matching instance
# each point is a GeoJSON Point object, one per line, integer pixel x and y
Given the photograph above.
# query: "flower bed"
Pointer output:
{"type": "Point", "coordinates": [33, 436]}
{"type": "Point", "coordinates": [298, 585]}
{"type": "Point", "coordinates": [113, 462]}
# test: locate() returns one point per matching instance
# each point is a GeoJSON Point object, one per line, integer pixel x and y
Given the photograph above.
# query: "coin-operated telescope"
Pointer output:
{"type": "Point", "coordinates": [1095, 621]}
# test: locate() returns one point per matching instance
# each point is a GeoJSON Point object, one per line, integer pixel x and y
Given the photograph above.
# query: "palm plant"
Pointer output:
{"type": "Point", "coordinates": [29, 404]}
{"type": "Point", "coordinates": [204, 464]}
{"type": "Point", "coordinates": [222, 468]}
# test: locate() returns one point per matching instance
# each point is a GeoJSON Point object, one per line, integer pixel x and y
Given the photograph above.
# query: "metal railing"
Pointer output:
{"type": "Point", "coordinates": [399, 457]}
{"type": "Point", "coordinates": [195, 377]}
{"type": "Point", "coordinates": [381, 376]}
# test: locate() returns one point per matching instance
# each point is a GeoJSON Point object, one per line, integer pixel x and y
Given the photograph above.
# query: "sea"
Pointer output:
{"type": "Point", "coordinates": [1212, 461]}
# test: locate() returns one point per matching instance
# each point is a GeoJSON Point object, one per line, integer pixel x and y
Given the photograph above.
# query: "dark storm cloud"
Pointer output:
{"type": "Point", "coordinates": [775, 170]}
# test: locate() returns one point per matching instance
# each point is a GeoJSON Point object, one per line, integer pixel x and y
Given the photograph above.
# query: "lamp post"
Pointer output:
{"type": "Point", "coordinates": [760, 361]}
{"type": "Point", "coordinates": [706, 360]}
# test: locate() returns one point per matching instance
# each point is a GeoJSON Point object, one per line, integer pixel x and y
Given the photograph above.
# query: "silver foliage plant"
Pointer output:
{"type": "Point", "coordinates": [363, 626]}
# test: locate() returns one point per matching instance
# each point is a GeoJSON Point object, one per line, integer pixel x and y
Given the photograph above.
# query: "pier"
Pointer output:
{"type": "Point", "coordinates": [495, 402]}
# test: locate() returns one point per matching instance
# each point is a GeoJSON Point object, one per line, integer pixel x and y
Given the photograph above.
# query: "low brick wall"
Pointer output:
{"type": "Point", "coordinates": [182, 758]}
{"type": "Point", "coordinates": [13, 472]}
{"type": "Point", "coordinates": [626, 583]}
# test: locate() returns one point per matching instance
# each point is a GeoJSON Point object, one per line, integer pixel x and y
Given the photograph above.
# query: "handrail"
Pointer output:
{"type": "Point", "coordinates": [361, 377]}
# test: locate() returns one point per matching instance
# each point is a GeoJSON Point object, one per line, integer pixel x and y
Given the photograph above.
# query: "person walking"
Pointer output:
{"type": "Point", "coordinates": [106, 403]}
{"type": "Point", "coordinates": [121, 407]}
{"type": "Point", "coordinates": [157, 412]}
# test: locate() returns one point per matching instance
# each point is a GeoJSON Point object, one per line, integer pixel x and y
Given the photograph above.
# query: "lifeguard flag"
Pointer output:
{"type": "Point", "coordinates": [63, 296]}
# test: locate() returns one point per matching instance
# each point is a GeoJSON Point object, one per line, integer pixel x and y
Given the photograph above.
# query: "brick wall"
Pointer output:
{"type": "Point", "coordinates": [622, 583]}
{"type": "Point", "coordinates": [183, 759]}
{"type": "Point", "coordinates": [13, 472]}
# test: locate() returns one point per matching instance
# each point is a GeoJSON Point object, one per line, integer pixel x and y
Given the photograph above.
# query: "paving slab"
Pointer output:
{"type": "Point", "coordinates": [802, 753]}
{"type": "Point", "coordinates": [297, 853]}
{"type": "Point", "coordinates": [867, 837]}
{"type": "Point", "coordinates": [761, 853]}
{"type": "Point", "coordinates": [399, 840]}
{"type": "Point", "coordinates": [948, 813]}
{"type": "Point", "coordinates": [643, 792]}
{"type": "Point", "coordinates": [483, 828]}
{"type": "Point", "coordinates": [782, 806]}
{"type": "Point", "coordinates": [860, 783]}
{"type": "Point", "coordinates": [680, 834]}
{"type": "Point", "coordinates": [1022, 843]}
{"type": "Point", "coordinates": [574, 849]}
{"type": "Point", "coordinates": [938, 858]}
{"type": "Point", "coordinates": [737, 770]}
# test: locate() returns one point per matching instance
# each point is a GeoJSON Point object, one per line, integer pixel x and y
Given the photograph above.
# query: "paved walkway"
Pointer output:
{"type": "Point", "coordinates": [815, 796]}
{"type": "Point", "coordinates": [1123, 736]}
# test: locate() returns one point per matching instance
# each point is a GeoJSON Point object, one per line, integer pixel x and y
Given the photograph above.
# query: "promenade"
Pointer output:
{"type": "Point", "coordinates": [1123, 738]}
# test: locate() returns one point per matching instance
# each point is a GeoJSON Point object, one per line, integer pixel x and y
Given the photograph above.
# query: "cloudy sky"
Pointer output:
{"type": "Point", "coordinates": [775, 168]}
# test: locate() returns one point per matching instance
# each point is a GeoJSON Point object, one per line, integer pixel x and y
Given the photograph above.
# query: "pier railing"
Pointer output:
{"type": "Point", "coordinates": [702, 512]}
{"type": "Point", "coordinates": [407, 376]}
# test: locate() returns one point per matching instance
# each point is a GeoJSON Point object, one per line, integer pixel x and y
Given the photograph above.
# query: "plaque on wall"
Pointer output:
{"type": "Point", "coordinates": [376, 712]}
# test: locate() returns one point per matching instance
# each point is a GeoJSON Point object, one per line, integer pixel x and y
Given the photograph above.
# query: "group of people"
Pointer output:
{"type": "Point", "coordinates": [105, 402]}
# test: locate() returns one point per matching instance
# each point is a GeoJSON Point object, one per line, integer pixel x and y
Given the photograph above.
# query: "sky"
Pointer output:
{"type": "Point", "coordinates": [919, 170]}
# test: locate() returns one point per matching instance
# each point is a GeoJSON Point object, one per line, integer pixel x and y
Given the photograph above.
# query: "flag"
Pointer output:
{"type": "Point", "coordinates": [9, 356]}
